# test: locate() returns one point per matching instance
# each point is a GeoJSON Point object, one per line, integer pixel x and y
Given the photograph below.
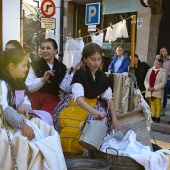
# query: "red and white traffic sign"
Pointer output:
{"type": "Point", "coordinates": [48, 8]}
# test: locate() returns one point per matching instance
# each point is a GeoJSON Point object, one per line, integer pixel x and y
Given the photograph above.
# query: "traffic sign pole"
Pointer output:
{"type": "Point", "coordinates": [60, 54]}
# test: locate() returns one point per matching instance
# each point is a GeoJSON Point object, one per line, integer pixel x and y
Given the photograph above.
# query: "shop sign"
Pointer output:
{"type": "Point", "coordinates": [91, 28]}
{"type": "Point", "coordinates": [49, 23]}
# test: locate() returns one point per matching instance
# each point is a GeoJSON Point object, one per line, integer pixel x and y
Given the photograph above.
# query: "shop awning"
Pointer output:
{"type": "Point", "coordinates": [83, 2]}
{"type": "Point", "coordinates": [117, 6]}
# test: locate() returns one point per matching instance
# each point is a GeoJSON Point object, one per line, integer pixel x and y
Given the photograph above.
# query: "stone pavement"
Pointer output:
{"type": "Point", "coordinates": [164, 125]}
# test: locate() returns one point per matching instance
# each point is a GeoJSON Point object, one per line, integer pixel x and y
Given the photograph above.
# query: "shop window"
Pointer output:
{"type": "Point", "coordinates": [109, 48]}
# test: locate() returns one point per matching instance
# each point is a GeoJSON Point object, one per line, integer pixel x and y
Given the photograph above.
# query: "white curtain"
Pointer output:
{"type": "Point", "coordinates": [117, 6]}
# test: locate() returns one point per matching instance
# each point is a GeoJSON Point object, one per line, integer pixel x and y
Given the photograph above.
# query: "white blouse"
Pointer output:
{"type": "Point", "coordinates": [4, 101]}
{"type": "Point", "coordinates": [16, 120]}
{"type": "Point", "coordinates": [78, 90]}
{"type": "Point", "coordinates": [34, 83]}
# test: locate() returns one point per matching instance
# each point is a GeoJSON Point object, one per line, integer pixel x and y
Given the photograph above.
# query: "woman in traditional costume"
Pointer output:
{"type": "Point", "coordinates": [92, 99]}
{"type": "Point", "coordinates": [46, 77]}
{"type": "Point", "coordinates": [26, 144]}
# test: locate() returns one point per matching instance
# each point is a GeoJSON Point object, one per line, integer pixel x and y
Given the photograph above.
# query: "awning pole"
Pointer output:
{"type": "Point", "coordinates": [60, 54]}
{"type": "Point", "coordinates": [132, 70]}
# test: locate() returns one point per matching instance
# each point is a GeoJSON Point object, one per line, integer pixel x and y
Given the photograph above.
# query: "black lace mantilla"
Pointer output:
{"type": "Point", "coordinates": [92, 88]}
{"type": "Point", "coordinates": [41, 66]}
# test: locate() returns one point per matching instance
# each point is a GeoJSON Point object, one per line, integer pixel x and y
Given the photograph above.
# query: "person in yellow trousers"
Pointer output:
{"type": "Point", "coordinates": [155, 82]}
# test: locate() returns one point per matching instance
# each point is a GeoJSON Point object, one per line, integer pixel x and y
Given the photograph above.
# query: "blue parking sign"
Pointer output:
{"type": "Point", "coordinates": [92, 14]}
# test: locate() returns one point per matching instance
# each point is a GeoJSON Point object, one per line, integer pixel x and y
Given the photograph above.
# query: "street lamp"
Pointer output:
{"type": "Point", "coordinates": [60, 54]}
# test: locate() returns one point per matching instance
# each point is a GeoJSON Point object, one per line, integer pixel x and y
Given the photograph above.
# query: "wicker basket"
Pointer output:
{"type": "Point", "coordinates": [118, 162]}
{"type": "Point", "coordinates": [88, 164]}
{"type": "Point", "coordinates": [136, 121]}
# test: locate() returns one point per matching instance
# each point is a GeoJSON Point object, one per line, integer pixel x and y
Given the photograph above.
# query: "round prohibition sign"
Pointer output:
{"type": "Point", "coordinates": [48, 8]}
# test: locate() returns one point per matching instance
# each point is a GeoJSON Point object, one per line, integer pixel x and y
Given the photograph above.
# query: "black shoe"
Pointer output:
{"type": "Point", "coordinates": [157, 120]}
{"type": "Point", "coordinates": [153, 118]}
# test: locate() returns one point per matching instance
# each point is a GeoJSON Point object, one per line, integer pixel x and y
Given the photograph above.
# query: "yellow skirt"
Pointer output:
{"type": "Point", "coordinates": [69, 121]}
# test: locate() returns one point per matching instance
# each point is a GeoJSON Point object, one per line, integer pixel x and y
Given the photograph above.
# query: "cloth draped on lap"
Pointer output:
{"type": "Point", "coordinates": [44, 152]}
{"type": "Point", "coordinates": [69, 121]}
{"type": "Point", "coordinates": [43, 115]}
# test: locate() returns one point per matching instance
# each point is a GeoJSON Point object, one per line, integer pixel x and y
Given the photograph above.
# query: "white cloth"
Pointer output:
{"type": "Point", "coordinates": [78, 90]}
{"type": "Point", "coordinates": [108, 33]}
{"type": "Point", "coordinates": [37, 132]}
{"type": "Point", "coordinates": [50, 34]}
{"type": "Point", "coordinates": [34, 83]}
{"type": "Point", "coordinates": [98, 39]}
{"type": "Point", "coordinates": [135, 150]}
{"type": "Point", "coordinates": [72, 53]}
{"type": "Point", "coordinates": [114, 33]}
{"type": "Point", "coordinates": [119, 30]}
{"type": "Point", "coordinates": [122, 29]}
{"type": "Point", "coordinates": [43, 153]}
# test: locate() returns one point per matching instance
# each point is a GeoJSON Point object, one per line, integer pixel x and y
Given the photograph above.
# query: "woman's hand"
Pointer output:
{"type": "Point", "coordinates": [28, 132]}
{"type": "Point", "coordinates": [98, 115]}
{"type": "Point", "coordinates": [47, 74]}
{"type": "Point", "coordinates": [115, 125]}
{"type": "Point", "coordinates": [21, 109]}
{"type": "Point", "coordinates": [151, 89]}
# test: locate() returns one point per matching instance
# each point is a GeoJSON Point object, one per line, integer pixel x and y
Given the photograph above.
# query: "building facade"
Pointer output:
{"type": "Point", "coordinates": [74, 22]}
{"type": "Point", "coordinates": [110, 12]}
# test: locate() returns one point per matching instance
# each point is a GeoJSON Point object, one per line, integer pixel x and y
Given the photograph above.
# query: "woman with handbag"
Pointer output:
{"type": "Point", "coordinates": [29, 140]}
{"type": "Point", "coordinates": [92, 99]}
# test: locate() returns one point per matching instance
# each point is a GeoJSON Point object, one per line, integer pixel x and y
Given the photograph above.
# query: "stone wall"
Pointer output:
{"type": "Point", "coordinates": [142, 38]}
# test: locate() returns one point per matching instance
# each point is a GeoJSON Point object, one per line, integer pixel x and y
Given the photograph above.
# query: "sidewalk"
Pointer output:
{"type": "Point", "coordinates": [164, 125]}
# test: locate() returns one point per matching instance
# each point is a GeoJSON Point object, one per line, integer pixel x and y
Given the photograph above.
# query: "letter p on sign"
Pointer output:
{"type": "Point", "coordinates": [92, 14]}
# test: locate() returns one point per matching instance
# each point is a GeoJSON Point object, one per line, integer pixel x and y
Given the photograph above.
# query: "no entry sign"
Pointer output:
{"type": "Point", "coordinates": [48, 8]}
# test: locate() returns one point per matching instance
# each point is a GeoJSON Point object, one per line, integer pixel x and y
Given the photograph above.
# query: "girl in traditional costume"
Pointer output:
{"type": "Point", "coordinates": [46, 77]}
{"type": "Point", "coordinates": [32, 141]}
{"type": "Point", "coordinates": [92, 99]}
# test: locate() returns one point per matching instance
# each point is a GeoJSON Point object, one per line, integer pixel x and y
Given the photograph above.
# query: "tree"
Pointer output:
{"type": "Point", "coordinates": [156, 13]}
